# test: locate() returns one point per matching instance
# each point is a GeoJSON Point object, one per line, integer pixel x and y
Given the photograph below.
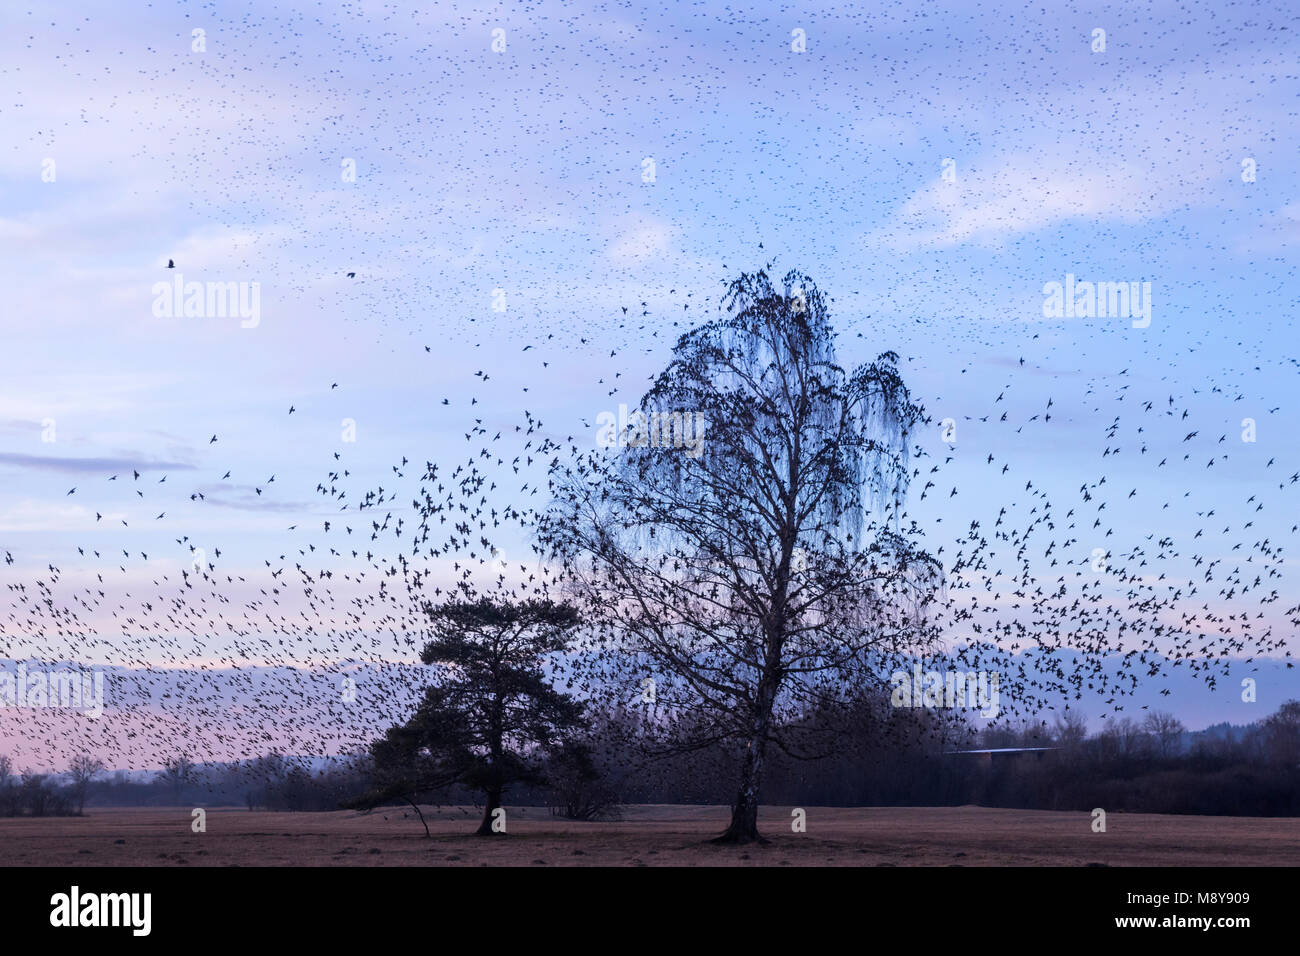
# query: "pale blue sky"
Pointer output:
{"type": "Point", "coordinates": [521, 170]}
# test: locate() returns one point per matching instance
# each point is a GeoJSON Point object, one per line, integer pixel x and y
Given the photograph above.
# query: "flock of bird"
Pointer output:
{"type": "Point", "coordinates": [1168, 553]}
{"type": "Point", "coordinates": [223, 663]}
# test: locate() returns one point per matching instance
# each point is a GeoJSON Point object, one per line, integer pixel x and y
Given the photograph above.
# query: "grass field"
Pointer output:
{"type": "Point", "coordinates": [649, 836]}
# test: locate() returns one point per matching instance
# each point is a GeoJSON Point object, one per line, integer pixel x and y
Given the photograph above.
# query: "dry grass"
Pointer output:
{"type": "Point", "coordinates": [650, 836]}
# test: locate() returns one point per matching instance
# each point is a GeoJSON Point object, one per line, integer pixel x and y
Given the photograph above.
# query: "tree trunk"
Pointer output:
{"type": "Point", "coordinates": [492, 803]}
{"type": "Point", "coordinates": [412, 802]}
{"type": "Point", "coordinates": [744, 812]}
{"type": "Point", "coordinates": [496, 749]}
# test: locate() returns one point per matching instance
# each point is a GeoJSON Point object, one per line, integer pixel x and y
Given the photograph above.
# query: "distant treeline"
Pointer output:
{"type": "Point", "coordinates": [1152, 765]}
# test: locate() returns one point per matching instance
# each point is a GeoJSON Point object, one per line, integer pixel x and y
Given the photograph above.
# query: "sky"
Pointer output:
{"type": "Point", "coordinates": [525, 172]}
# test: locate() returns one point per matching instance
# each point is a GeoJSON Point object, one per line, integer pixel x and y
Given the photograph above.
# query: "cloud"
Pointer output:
{"type": "Point", "coordinates": [46, 518]}
{"type": "Point", "coordinates": [35, 394]}
{"type": "Point", "coordinates": [1276, 233]}
{"type": "Point", "coordinates": [640, 242]}
{"type": "Point", "coordinates": [1097, 153]}
{"type": "Point", "coordinates": [1020, 194]}
{"type": "Point", "coordinates": [89, 465]}
{"type": "Point", "coordinates": [247, 499]}
{"type": "Point", "coordinates": [1034, 368]}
